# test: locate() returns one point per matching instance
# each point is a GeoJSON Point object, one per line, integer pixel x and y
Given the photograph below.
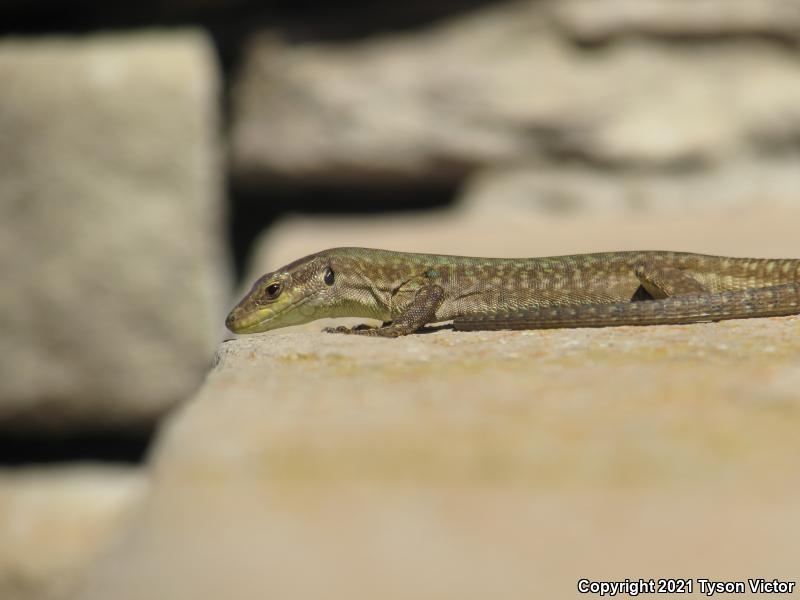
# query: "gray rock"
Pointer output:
{"type": "Point", "coordinates": [498, 87]}
{"type": "Point", "coordinates": [601, 20]}
{"type": "Point", "coordinates": [55, 522]}
{"type": "Point", "coordinates": [110, 227]}
{"type": "Point", "coordinates": [544, 188]}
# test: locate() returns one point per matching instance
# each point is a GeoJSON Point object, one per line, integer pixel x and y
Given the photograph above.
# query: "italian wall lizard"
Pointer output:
{"type": "Point", "coordinates": [407, 291]}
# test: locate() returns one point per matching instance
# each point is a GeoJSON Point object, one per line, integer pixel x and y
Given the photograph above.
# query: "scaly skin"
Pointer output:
{"type": "Point", "coordinates": [586, 290]}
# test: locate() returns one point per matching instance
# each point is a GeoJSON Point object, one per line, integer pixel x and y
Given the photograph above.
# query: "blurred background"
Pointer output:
{"type": "Point", "coordinates": [157, 156]}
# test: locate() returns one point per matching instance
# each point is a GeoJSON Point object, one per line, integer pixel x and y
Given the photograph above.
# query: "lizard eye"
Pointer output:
{"type": "Point", "coordinates": [273, 290]}
{"type": "Point", "coordinates": [328, 277]}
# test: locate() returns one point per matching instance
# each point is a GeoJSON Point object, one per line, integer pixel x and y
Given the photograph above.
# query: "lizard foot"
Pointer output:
{"type": "Point", "coordinates": [358, 329]}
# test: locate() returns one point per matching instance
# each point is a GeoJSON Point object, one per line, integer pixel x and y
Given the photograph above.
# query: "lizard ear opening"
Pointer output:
{"type": "Point", "coordinates": [328, 277]}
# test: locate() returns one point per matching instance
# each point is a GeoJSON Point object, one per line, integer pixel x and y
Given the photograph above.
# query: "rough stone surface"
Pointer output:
{"type": "Point", "coordinates": [477, 465]}
{"type": "Point", "coordinates": [110, 227]}
{"type": "Point", "coordinates": [500, 86]}
{"type": "Point", "coordinates": [599, 21]}
{"type": "Point", "coordinates": [55, 521]}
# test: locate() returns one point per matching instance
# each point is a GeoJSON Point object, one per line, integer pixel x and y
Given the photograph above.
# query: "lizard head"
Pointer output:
{"type": "Point", "coordinates": [292, 295]}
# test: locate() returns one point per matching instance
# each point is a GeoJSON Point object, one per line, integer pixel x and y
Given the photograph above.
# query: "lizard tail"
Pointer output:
{"type": "Point", "coordinates": [773, 301]}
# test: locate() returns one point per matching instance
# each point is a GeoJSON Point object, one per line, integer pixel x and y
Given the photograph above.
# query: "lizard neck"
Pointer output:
{"type": "Point", "coordinates": [367, 282]}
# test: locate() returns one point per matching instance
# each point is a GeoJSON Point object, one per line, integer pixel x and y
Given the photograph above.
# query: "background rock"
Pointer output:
{"type": "Point", "coordinates": [55, 521]}
{"type": "Point", "coordinates": [600, 21]}
{"type": "Point", "coordinates": [569, 189]}
{"type": "Point", "coordinates": [497, 87]}
{"type": "Point", "coordinates": [111, 248]}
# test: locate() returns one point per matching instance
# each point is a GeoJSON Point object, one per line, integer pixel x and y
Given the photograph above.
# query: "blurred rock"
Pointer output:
{"type": "Point", "coordinates": [547, 188]}
{"type": "Point", "coordinates": [600, 20]}
{"type": "Point", "coordinates": [111, 224]}
{"type": "Point", "coordinates": [55, 521]}
{"type": "Point", "coordinates": [740, 231]}
{"type": "Point", "coordinates": [501, 86]}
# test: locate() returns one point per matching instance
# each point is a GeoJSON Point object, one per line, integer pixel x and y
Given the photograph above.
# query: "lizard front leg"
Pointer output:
{"type": "Point", "coordinates": [420, 311]}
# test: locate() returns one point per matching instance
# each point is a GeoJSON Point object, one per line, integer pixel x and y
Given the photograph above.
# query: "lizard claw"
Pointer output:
{"type": "Point", "coordinates": [360, 329]}
{"type": "Point", "coordinates": [340, 329]}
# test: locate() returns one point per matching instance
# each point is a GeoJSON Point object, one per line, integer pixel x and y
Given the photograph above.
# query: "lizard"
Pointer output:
{"type": "Point", "coordinates": [408, 291]}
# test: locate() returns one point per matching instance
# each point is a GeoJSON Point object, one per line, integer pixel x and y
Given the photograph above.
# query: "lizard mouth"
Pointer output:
{"type": "Point", "coordinates": [237, 326]}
